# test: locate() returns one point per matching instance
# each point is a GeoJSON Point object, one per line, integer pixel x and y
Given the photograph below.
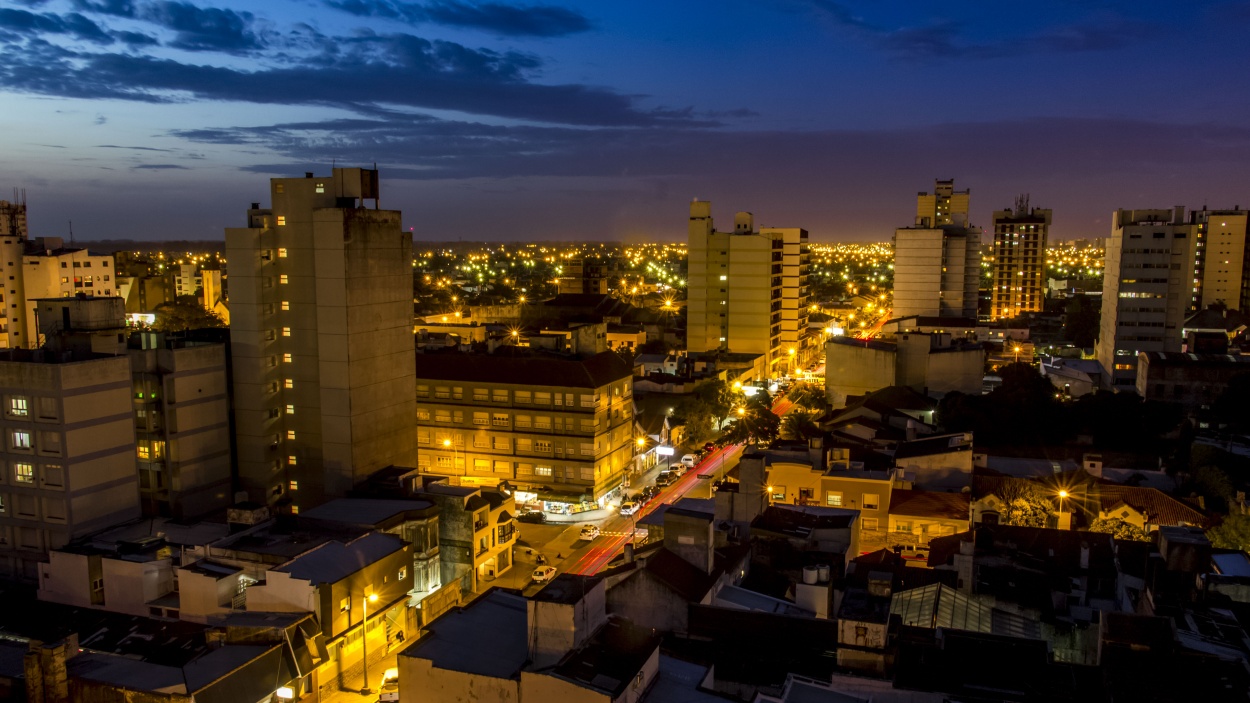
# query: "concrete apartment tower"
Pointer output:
{"type": "Point", "coordinates": [1019, 260]}
{"type": "Point", "coordinates": [1151, 282]}
{"type": "Point", "coordinates": [937, 263]}
{"type": "Point", "coordinates": [1224, 258]}
{"type": "Point", "coordinates": [321, 339]}
{"type": "Point", "coordinates": [747, 289]}
{"type": "Point", "coordinates": [13, 237]}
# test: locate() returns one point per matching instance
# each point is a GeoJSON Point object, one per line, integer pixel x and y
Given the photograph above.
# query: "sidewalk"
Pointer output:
{"type": "Point", "coordinates": [588, 516]}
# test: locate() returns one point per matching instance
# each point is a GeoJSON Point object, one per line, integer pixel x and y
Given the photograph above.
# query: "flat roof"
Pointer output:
{"type": "Point", "coordinates": [367, 511]}
{"type": "Point", "coordinates": [678, 682]}
{"type": "Point", "coordinates": [487, 637]}
{"type": "Point", "coordinates": [334, 561]}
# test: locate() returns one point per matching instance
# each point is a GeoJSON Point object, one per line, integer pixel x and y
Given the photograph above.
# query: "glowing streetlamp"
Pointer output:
{"type": "Point", "coordinates": [364, 640]}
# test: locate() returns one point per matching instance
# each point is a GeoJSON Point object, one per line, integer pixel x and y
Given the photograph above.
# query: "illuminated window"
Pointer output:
{"type": "Point", "coordinates": [833, 499]}
{"type": "Point", "coordinates": [19, 407]}
{"type": "Point", "coordinates": [543, 470]}
{"type": "Point", "coordinates": [24, 473]}
{"type": "Point", "coordinates": [290, 434]}
{"type": "Point", "coordinates": [288, 383]}
{"type": "Point", "coordinates": [19, 439]}
{"type": "Point", "coordinates": [294, 485]}
{"type": "Point", "coordinates": [286, 331]}
{"type": "Point", "coordinates": [287, 358]}
{"type": "Point", "coordinates": [872, 501]}
{"type": "Point", "coordinates": [724, 278]}
{"type": "Point", "coordinates": [291, 460]}
{"type": "Point", "coordinates": [286, 306]}
{"type": "Point", "coordinates": [321, 188]}
{"type": "Point", "coordinates": [294, 509]}
{"type": "Point", "coordinates": [281, 252]}
{"type": "Point", "coordinates": [290, 410]}
{"type": "Point", "coordinates": [281, 220]}
{"type": "Point", "coordinates": [284, 279]}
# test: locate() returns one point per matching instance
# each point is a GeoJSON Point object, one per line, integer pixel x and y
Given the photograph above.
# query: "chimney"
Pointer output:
{"type": "Point", "coordinates": [629, 552]}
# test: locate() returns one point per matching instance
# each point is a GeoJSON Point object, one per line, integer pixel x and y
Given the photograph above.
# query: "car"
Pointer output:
{"type": "Point", "coordinates": [388, 687]}
{"type": "Point", "coordinates": [666, 478]}
{"type": "Point", "coordinates": [688, 460]}
{"type": "Point", "coordinates": [536, 517]}
{"type": "Point", "coordinates": [647, 493]}
{"type": "Point", "coordinates": [543, 574]}
{"type": "Point", "coordinates": [709, 447]}
{"type": "Point", "coordinates": [629, 507]}
{"type": "Point", "coordinates": [589, 532]}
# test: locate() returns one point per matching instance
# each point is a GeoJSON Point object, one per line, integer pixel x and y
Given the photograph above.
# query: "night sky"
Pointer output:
{"type": "Point", "coordinates": [155, 119]}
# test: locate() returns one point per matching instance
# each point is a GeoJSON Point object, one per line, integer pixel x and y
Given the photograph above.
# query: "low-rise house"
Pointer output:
{"type": "Point", "coordinates": [918, 516]}
{"type": "Point", "coordinates": [942, 462]}
{"type": "Point", "coordinates": [477, 530]}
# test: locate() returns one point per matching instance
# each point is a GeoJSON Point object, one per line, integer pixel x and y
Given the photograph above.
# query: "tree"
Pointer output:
{"type": "Point", "coordinates": [705, 410]}
{"type": "Point", "coordinates": [1025, 512]}
{"type": "Point", "coordinates": [797, 424]}
{"type": "Point", "coordinates": [182, 314]}
{"type": "Point", "coordinates": [1232, 533]}
{"type": "Point", "coordinates": [1119, 529]}
{"type": "Point", "coordinates": [1213, 485]}
{"type": "Point", "coordinates": [753, 423]}
{"type": "Point", "coordinates": [808, 395]}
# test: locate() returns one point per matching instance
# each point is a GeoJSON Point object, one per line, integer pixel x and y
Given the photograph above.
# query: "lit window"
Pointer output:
{"type": "Point", "coordinates": [286, 306]}
{"type": "Point", "coordinates": [294, 509]}
{"type": "Point", "coordinates": [24, 473]}
{"type": "Point", "coordinates": [287, 358]}
{"type": "Point", "coordinates": [403, 573]}
{"type": "Point", "coordinates": [872, 501]}
{"type": "Point", "coordinates": [19, 407]}
{"type": "Point", "coordinates": [321, 188]}
{"type": "Point", "coordinates": [724, 278]}
{"type": "Point", "coordinates": [295, 485]}
{"type": "Point", "coordinates": [291, 460]}
{"type": "Point", "coordinates": [543, 470]}
{"type": "Point", "coordinates": [281, 252]}
{"type": "Point", "coordinates": [288, 383]}
{"type": "Point", "coordinates": [284, 279]}
{"type": "Point", "coordinates": [833, 499]}
{"type": "Point", "coordinates": [290, 434]}
{"type": "Point", "coordinates": [286, 331]}
{"type": "Point", "coordinates": [290, 410]}
{"type": "Point", "coordinates": [281, 220]}
{"type": "Point", "coordinates": [20, 439]}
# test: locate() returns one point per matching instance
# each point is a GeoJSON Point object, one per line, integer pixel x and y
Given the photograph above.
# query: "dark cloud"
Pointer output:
{"type": "Point", "coordinates": [136, 39]}
{"type": "Point", "coordinates": [72, 24]}
{"type": "Point", "coordinates": [948, 39]}
{"type": "Point", "coordinates": [138, 148]}
{"type": "Point", "coordinates": [509, 20]}
{"type": "Point", "coordinates": [160, 167]}
{"type": "Point", "coordinates": [399, 69]}
{"type": "Point", "coordinates": [195, 28]}
{"type": "Point", "coordinates": [100, 119]}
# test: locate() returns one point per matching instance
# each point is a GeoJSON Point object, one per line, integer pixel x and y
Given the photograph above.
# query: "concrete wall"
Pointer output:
{"type": "Point", "coordinates": [648, 603]}
{"type": "Point", "coordinates": [851, 369]}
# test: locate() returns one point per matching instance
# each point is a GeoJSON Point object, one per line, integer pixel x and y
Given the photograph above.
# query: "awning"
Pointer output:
{"type": "Point", "coordinates": [561, 497]}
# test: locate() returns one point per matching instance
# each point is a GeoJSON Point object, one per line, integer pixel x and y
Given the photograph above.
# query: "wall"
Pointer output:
{"type": "Point", "coordinates": [420, 682]}
{"type": "Point", "coordinates": [852, 369]}
{"type": "Point", "coordinates": [648, 603]}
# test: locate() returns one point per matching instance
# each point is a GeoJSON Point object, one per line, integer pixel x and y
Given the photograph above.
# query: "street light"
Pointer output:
{"type": "Point", "coordinates": [364, 640]}
{"type": "Point", "coordinates": [1018, 360]}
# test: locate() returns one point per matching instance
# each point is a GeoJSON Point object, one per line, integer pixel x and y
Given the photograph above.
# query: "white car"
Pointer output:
{"type": "Point", "coordinates": [629, 507]}
{"type": "Point", "coordinates": [589, 532]}
{"type": "Point", "coordinates": [388, 687]}
{"type": "Point", "coordinates": [543, 574]}
{"type": "Point", "coordinates": [688, 460]}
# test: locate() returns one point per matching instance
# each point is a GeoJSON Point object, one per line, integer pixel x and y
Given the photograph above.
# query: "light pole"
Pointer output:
{"type": "Point", "coordinates": [447, 444]}
{"type": "Point", "coordinates": [1017, 353]}
{"type": "Point", "coordinates": [364, 640]}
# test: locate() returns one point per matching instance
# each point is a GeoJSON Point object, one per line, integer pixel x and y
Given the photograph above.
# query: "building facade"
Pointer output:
{"type": "Point", "coordinates": [13, 237]}
{"type": "Point", "coordinates": [747, 289]}
{"type": "Point", "coordinates": [937, 262]}
{"type": "Point", "coordinates": [1019, 260]}
{"type": "Point", "coordinates": [50, 270]}
{"type": "Point", "coordinates": [321, 339]}
{"type": "Point", "coordinates": [69, 466]}
{"type": "Point", "coordinates": [558, 429]}
{"type": "Point", "coordinates": [1151, 283]}
{"type": "Point", "coordinates": [1225, 259]}
{"type": "Point", "coordinates": [182, 425]}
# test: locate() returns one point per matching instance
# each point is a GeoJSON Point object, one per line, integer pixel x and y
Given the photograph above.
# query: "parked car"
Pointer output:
{"type": "Point", "coordinates": [709, 447]}
{"type": "Point", "coordinates": [536, 517]}
{"type": "Point", "coordinates": [543, 574]}
{"type": "Point", "coordinates": [646, 494]}
{"type": "Point", "coordinates": [629, 507]}
{"type": "Point", "coordinates": [388, 687]}
{"type": "Point", "coordinates": [689, 460]}
{"type": "Point", "coordinates": [589, 532]}
{"type": "Point", "coordinates": [666, 478]}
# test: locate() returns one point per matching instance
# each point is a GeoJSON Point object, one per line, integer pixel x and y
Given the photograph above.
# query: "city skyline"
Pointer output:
{"type": "Point", "coordinates": [555, 121]}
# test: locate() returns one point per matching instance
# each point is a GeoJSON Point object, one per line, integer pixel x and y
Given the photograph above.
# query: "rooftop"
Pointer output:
{"type": "Point", "coordinates": [566, 588]}
{"type": "Point", "coordinates": [535, 370]}
{"type": "Point", "coordinates": [929, 504]}
{"type": "Point", "coordinates": [370, 512]}
{"type": "Point", "coordinates": [942, 444]}
{"type": "Point", "coordinates": [486, 637]}
{"type": "Point", "coordinates": [611, 660]}
{"type": "Point", "coordinates": [334, 561]}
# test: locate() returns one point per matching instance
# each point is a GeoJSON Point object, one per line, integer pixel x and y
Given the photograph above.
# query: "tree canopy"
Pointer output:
{"type": "Point", "coordinates": [185, 313]}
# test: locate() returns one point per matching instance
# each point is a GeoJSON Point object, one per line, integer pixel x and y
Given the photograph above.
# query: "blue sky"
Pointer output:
{"type": "Point", "coordinates": [601, 120]}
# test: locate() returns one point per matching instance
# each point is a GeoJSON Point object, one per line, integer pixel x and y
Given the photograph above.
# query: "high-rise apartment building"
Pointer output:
{"type": "Point", "coordinates": [1019, 260]}
{"type": "Point", "coordinates": [560, 430]}
{"type": "Point", "coordinates": [944, 206]}
{"type": "Point", "coordinates": [69, 451]}
{"type": "Point", "coordinates": [52, 270]}
{"type": "Point", "coordinates": [13, 235]}
{"type": "Point", "coordinates": [1151, 282]}
{"type": "Point", "coordinates": [321, 339]}
{"type": "Point", "coordinates": [937, 262]}
{"type": "Point", "coordinates": [1225, 258]}
{"type": "Point", "coordinates": [746, 289]}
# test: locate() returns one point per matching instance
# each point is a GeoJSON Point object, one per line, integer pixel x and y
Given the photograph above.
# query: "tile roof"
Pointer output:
{"type": "Point", "coordinates": [930, 504]}
{"type": "Point", "coordinates": [1159, 507]}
